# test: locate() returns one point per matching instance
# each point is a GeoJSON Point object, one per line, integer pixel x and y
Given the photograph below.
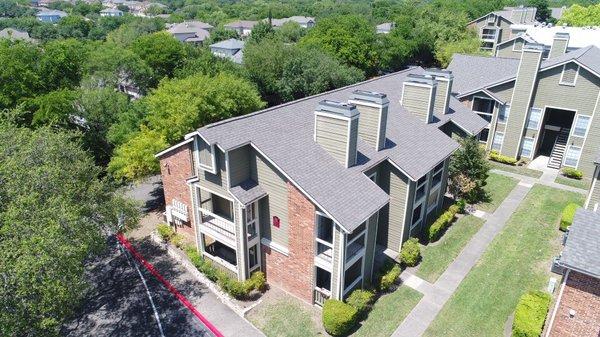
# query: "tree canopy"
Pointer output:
{"type": "Point", "coordinates": [580, 16]}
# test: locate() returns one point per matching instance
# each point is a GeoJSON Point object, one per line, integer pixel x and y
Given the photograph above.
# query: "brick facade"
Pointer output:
{"type": "Point", "coordinates": [295, 273]}
{"type": "Point", "coordinates": [176, 168]}
{"type": "Point", "coordinates": [582, 294]}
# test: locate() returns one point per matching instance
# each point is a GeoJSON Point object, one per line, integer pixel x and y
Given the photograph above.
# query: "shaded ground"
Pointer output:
{"type": "Point", "coordinates": [118, 304]}
{"type": "Point", "coordinates": [148, 192]}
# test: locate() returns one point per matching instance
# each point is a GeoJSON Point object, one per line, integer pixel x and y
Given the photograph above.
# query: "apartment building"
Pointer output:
{"type": "Point", "coordinates": [536, 107]}
{"type": "Point", "coordinates": [317, 192]}
{"type": "Point", "coordinates": [592, 202]}
{"type": "Point", "coordinates": [494, 28]}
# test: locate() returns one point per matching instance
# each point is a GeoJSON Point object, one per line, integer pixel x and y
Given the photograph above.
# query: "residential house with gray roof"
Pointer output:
{"type": "Point", "coordinates": [50, 16]}
{"type": "Point", "coordinates": [318, 191]}
{"type": "Point", "coordinates": [303, 21]}
{"type": "Point", "coordinates": [242, 27]}
{"type": "Point", "coordinates": [232, 49]}
{"type": "Point", "coordinates": [190, 31]}
{"type": "Point", "coordinates": [576, 309]}
{"type": "Point", "coordinates": [536, 107]}
{"type": "Point", "coordinates": [494, 27]}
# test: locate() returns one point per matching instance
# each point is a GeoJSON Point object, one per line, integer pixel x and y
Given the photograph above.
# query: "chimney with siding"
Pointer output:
{"type": "Point", "coordinates": [444, 80]}
{"type": "Point", "coordinates": [373, 108]}
{"type": "Point", "coordinates": [336, 130]}
{"type": "Point", "coordinates": [559, 44]}
{"type": "Point", "coordinates": [418, 96]}
{"type": "Point", "coordinates": [517, 15]}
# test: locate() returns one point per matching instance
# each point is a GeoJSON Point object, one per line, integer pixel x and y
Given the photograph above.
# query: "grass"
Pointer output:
{"type": "Point", "coordinates": [388, 312]}
{"type": "Point", "coordinates": [583, 183]}
{"type": "Point", "coordinates": [516, 261]}
{"type": "Point", "coordinates": [437, 257]}
{"type": "Point", "coordinates": [522, 170]}
{"type": "Point", "coordinates": [497, 188]}
{"type": "Point", "coordinates": [285, 317]}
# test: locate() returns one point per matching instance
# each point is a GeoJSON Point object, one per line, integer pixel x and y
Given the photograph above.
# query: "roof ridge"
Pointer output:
{"type": "Point", "coordinates": [269, 109]}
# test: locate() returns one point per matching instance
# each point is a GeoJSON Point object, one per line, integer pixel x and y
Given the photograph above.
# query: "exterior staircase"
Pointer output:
{"type": "Point", "coordinates": [559, 148]}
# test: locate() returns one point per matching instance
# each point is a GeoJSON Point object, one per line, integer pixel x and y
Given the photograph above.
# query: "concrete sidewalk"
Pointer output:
{"type": "Point", "coordinates": [437, 294]}
{"type": "Point", "coordinates": [547, 180]}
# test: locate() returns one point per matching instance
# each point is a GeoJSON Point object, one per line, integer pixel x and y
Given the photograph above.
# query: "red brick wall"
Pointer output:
{"type": "Point", "coordinates": [176, 168]}
{"type": "Point", "coordinates": [294, 273]}
{"type": "Point", "coordinates": [582, 294]}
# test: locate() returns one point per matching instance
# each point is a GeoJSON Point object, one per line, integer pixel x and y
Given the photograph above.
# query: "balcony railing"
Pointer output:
{"type": "Point", "coordinates": [218, 224]}
{"type": "Point", "coordinates": [324, 252]}
{"type": "Point", "coordinates": [489, 37]}
{"type": "Point", "coordinates": [321, 295]}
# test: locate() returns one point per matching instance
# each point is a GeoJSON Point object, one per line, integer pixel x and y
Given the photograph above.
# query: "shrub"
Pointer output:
{"type": "Point", "coordinates": [165, 231]}
{"type": "Point", "coordinates": [530, 314]}
{"type": "Point", "coordinates": [462, 205]}
{"type": "Point", "coordinates": [454, 209]}
{"type": "Point", "coordinates": [178, 240]}
{"type": "Point", "coordinates": [361, 300]}
{"type": "Point", "coordinates": [567, 216]}
{"type": "Point", "coordinates": [338, 317]}
{"type": "Point", "coordinates": [444, 221]}
{"type": "Point", "coordinates": [411, 252]}
{"type": "Point", "coordinates": [194, 257]}
{"type": "Point", "coordinates": [495, 156]}
{"type": "Point", "coordinates": [572, 173]}
{"type": "Point", "coordinates": [257, 281]}
{"type": "Point", "coordinates": [233, 287]}
{"type": "Point", "coordinates": [388, 275]}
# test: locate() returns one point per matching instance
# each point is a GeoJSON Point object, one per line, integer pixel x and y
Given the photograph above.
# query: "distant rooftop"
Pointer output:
{"type": "Point", "coordinates": [231, 44]}
{"type": "Point", "coordinates": [188, 27]}
{"type": "Point", "coordinates": [579, 37]}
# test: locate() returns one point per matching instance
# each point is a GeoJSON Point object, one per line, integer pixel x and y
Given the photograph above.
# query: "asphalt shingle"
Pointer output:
{"type": "Point", "coordinates": [582, 248]}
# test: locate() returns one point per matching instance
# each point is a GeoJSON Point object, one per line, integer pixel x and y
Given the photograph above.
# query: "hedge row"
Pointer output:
{"type": "Point", "coordinates": [530, 314]}
{"type": "Point", "coordinates": [567, 216]}
{"type": "Point", "coordinates": [495, 156]}
{"type": "Point", "coordinates": [443, 222]}
{"type": "Point", "coordinates": [572, 173]}
{"type": "Point", "coordinates": [235, 288]}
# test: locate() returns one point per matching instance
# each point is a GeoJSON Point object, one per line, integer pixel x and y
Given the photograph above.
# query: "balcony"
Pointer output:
{"type": "Point", "coordinates": [217, 227]}
{"type": "Point", "coordinates": [321, 295]}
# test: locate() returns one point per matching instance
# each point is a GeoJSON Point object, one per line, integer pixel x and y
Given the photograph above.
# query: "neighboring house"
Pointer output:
{"type": "Point", "coordinates": [50, 16]}
{"type": "Point", "coordinates": [15, 34]}
{"type": "Point", "coordinates": [536, 107]}
{"type": "Point", "coordinates": [577, 309]}
{"type": "Point", "coordinates": [573, 37]}
{"type": "Point", "coordinates": [385, 28]}
{"type": "Point", "coordinates": [592, 201]}
{"type": "Point", "coordinates": [111, 12]}
{"type": "Point", "coordinates": [494, 27]}
{"type": "Point", "coordinates": [242, 27]}
{"type": "Point", "coordinates": [231, 49]}
{"type": "Point", "coordinates": [318, 191]}
{"type": "Point", "coordinates": [303, 21]}
{"type": "Point", "coordinates": [190, 31]}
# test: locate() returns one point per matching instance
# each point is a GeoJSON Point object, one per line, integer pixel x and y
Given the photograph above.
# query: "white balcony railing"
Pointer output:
{"type": "Point", "coordinates": [218, 224]}
{"type": "Point", "coordinates": [321, 295]}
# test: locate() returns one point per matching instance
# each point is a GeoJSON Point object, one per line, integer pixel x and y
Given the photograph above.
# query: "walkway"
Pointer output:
{"type": "Point", "coordinates": [438, 293]}
{"type": "Point", "coordinates": [546, 179]}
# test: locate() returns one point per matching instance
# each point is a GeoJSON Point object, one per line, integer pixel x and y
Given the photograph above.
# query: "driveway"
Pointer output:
{"type": "Point", "coordinates": [148, 192]}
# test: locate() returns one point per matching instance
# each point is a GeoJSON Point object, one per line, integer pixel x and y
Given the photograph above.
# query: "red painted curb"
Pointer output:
{"type": "Point", "coordinates": [168, 285]}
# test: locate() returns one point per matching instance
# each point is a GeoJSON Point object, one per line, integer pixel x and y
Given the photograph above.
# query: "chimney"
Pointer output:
{"type": "Point", "coordinates": [559, 44]}
{"type": "Point", "coordinates": [373, 108]}
{"type": "Point", "coordinates": [418, 96]}
{"type": "Point", "coordinates": [336, 130]}
{"type": "Point", "coordinates": [444, 80]}
{"type": "Point", "coordinates": [518, 14]}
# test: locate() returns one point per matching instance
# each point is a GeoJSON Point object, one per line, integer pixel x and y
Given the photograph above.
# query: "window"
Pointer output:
{"type": "Point", "coordinates": [421, 185]}
{"type": "Point", "coordinates": [222, 207]}
{"type": "Point", "coordinates": [535, 115]}
{"type": "Point", "coordinates": [527, 147]}
{"type": "Point", "coordinates": [416, 216]}
{"type": "Point", "coordinates": [433, 199]}
{"type": "Point", "coordinates": [488, 34]}
{"type": "Point", "coordinates": [484, 107]}
{"type": "Point", "coordinates": [504, 113]}
{"type": "Point", "coordinates": [251, 230]}
{"type": "Point", "coordinates": [483, 136]}
{"type": "Point", "coordinates": [572, 156]}
{"type": "Point", "coordinates": [569, 74]}
{"type": "Point", "coordinates": [438, 171]}
{"type": "Point", "coordinates": [581, 125]}
{"type": "Point", "coordinates": [323, 279]}
{"type": "Point", "coordinates": [498, 140]}
{"type": "Point", "coordinates": [324, 228]}
{"type": "Point", "coordinates": [373, 177]}
{"type": "Point", "coordinates": [487, 45]}
{"type": "Point", "coordinates": [517, 45]}
{"type": "Point", "coordinates": [491, 18]}
{"type": "Point", "coordinates": [353, 275]}
{"type": "Point", "coordinates": [252, 257]}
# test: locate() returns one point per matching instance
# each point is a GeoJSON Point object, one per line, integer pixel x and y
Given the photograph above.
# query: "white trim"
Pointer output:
{"type": "Point", "coordinates": [333, 115]}
{"type": "Point", "coordinates": [437, 190]}
{"type": "Point", "coordinates": [515, 42]}
{"type": "Point", "coordinates": [348, 134]}
{"type": "Point", "coordinates": [540, 120]}
{"type": "Point", "coordinates": [557, 304]}
{"type": "Point", "coordinates": [501, 143]}
{"type": "Point", "coordinates": [532, 147]}
{"type": "Point", "coordinates": [342, 256]}
{"type": "Point", "coordinates": [587, 129]}
{"type": "Point", "coordinates": [405, 215]}
{"type": "Point", "coordinates": [374, 246]}
{"type": "Point", "coordinates": [275, 246]}
{"type": "Point", "coordinates": [228, 173]}
{"type": "Point", "coordinates": [593, 115]}
{"type": "Point", "coordinates": [172, 148]}
{"type": "Point", "coordinates": [347, 289]}
{"type": "Point", "coordinates": [213, 192]}
{"type": "Point", "coordinates": [594, 181]}
{"type": "Point", "coordinates": [222, 262]}
{"type": "Point", "coordinates": [578, 157]}
{"type": "Point", "coordinates": [506, 119]}
{"type": "Point", "coordinates": [561, 82]}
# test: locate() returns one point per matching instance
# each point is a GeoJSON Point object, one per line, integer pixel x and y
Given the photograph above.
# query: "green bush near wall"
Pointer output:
{"type": "Point", "coordinates": [495, 156]}
{"type": "Point", "coordinates": [567, 216]}
{"type": "Point", "coordinates": [410, 254]}
{"type": "Point", "coordinates": [530, 314]}
{"type": "Point", "coordinates": [339, 318]}
{"type": "Point", "coordinates": [444, 221]}
{"type": "Point", "coordinates": [165, 231]}
{"type": "Point", "coordinates": [572, 173]}
{"type": "Point", "coordinates": [361, 300]}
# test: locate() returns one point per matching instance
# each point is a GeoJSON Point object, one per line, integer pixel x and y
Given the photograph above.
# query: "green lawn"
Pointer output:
{"type": "Point", "coordinates": [516, 261]}
{"type": "Point", "coordinates": [583, 183]}
{"type": "Point", "coordinates": [437, 256]}
{"type": "Point", "coordinates": [388, 312]}
{"type": "Point", "coordinates": [497, 188]}
{"type": "Point", "coordinates": [515, 169]}
{"type": "Point", "coordinates": [285, 317]}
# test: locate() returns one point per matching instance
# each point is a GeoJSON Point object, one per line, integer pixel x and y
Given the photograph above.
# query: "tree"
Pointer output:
{"type": "Point", "coordinates": [445, 51]}
{"type": "Point", "coordinates": [469, 170]}
{"type": "Point", "coordinates": [202, 61]}
{"type": "Point", "coordinates": [55, 212]}
{"type": "Point", "coordinates": [221, 34]}
{"type": "Point", "coordinates": [351, 39]}
{"type": "Point", "coordinates": [135, 159]}
{"type": "Point", "coordinates": [127, 33]}
{"type": "Point", "coordinates": [61, 64]}
{"type": "Point", "coordinates": [291, 32]}
{"type": "Point", "coordinates": [161, 52]}
{"type": "Point", "coordinates": [260, 31]}
{"type": "Point", "coordinates": [56, 108]}
{"type": "Point", "coordinates": [543, 12]}
{"type": "Point", "coordinates": [19, 73]}
{"type": "Point", "coordinates": [74, 26]}
{"type": "Point", "coordinates": [580, 16]}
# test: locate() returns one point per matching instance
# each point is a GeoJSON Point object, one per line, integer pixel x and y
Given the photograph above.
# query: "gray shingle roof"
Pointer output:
{"type": "Point", "coordinates": [241, 24]}
{"type": "Point", "coordinates": [463, 117]}
{"type": "Point", "coordinates": [247, 191]}
{"type": "Point", "coordinates": [51, 12]}
{"type": "Point", "coordinates": [189, 27]}
{"type": "Point", "coordinates": [284, 134]}
{"type": "Point", "coordinates": [473, 73]}
{"type": "Point", "coordinates": [582, 249]}
{"type": "Point", "coordinates": [229, 44]}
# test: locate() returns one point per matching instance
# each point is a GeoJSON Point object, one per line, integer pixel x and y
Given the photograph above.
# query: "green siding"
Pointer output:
{"type": "Point", "coordinates": [369, 124]}
{"type": "Point", "coordinates": [370, 248]}
{"type": "Point", "coordinates": [418, 100]}
{"type": "Point", "coordinates": [239, 165]}
{"type": "Point", "coordinates": [216, 182]}
{"type": "Point", "coordinates": [275, 185]}
{"type": "Point", "coordinates": [559, 47]}
{"type": "Point", "coordinates": [506, 50]}
{"type": "Point", "coordinates": [520, 102]}
{"type": "Point", "coordinates": [442, 98]}
{"type": "Point", "coordinates": [204, 151]}
{"type": "Point", "coordinates": [398, 188]}
{"type": "Point", "coordinates": [337, 266]}
{"type": "Point", "coordinates": [332, 135]}
{"type": "Point", "coordinates": [503, 91]}
{"type": "Point", "coordinates": [594, 194]}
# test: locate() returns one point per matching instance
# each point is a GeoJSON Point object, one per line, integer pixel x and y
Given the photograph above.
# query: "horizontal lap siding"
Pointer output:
{"type": "Point", "coordinates": [506, 50]}
{"type": "Point", "coordinates": [239, 165]}
{"type": "Point", "coordinates": [397, 208]}
{"type": "Point", "coordinates": [369, 124]}
{"type": "Point", "coordinates": [594, 194]}
{"type": "Point", "coordinates": [216, 182]}
{"type": "Point", "coordinates": [205, 153]}
{"type": "Point", "coordinates": [416, 100]}
{"type": "Point", "coordinates": [332, 135]}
